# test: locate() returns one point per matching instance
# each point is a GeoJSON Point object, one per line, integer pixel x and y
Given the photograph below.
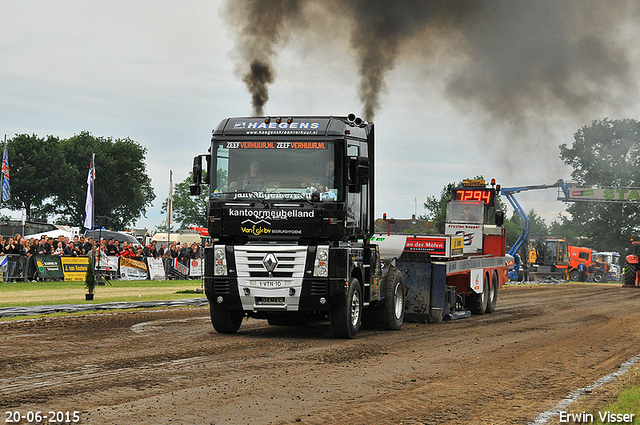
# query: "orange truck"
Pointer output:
{"type": "Point", "coordinates": [581, 264]}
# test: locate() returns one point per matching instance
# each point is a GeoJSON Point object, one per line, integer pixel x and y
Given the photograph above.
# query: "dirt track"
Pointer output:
{"type": "Point", "coordinates": [169, 367]}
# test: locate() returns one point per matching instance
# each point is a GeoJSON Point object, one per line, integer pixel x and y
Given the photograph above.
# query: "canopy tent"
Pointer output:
{"type": "Point", "coordinates": [51, 233]}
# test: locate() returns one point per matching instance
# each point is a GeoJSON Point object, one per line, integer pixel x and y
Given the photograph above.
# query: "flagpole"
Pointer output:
{"type": "Point", "coordinates": [93, 190]}
{"type": "Point", "coordinates": [169, 209]}
{"type": "Point", "coordinates": [5, 174]}
{"type": "Point", "coordinates": [2, 185]}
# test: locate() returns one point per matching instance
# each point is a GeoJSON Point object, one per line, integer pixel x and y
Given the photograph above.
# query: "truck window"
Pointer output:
{"type": "Point", "coordinates": [278, 170]}
{"type": "Point", "coordinates": [470, 212]}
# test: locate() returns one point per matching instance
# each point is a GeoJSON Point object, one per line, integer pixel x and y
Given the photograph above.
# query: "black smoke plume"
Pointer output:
{"type": "Point", "coordinates": [261, 25]}
{"type": "Point", "coordinates": [507, 58]}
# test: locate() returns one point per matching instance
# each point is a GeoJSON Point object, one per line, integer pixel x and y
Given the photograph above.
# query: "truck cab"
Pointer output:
{"type": "Point", "coordinates": [291, 209]}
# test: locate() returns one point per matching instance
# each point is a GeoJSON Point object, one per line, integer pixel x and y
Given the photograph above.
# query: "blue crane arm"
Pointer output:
{"type": "Point", "coordinates": [509, 192]}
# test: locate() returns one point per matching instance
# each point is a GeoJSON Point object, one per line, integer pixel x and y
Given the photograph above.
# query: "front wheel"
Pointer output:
{"type": "Point", "coordinates": [575, 276]}
{"type": "Point", "coordinates": [225, 321]}
{"type": "Point", "coordinates": [345, 319]}
{"type": "Point", "coordinates": [598, 278]}
{"type": "Point", "coordinates": [630, 274]}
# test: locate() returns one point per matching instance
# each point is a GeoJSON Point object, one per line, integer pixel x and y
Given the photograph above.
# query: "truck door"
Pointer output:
{"type": "Point", "coordinates": [358, 193]}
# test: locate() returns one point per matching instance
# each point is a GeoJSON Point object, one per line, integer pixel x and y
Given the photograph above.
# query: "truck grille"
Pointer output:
{"type": "Point", "coordinates": [286, 262]}
{"type": "Point", "coordinates": [318, 288]}
{"type": "Point", "coordinates": [221, 288]}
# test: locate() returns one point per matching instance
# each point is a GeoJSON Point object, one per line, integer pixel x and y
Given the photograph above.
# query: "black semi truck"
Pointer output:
{"type": "Point", "coordinates": [291, 210]}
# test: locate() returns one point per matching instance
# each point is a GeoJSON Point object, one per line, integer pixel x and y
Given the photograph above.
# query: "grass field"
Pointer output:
{"type": "Point", "coordinates": [23, 294]}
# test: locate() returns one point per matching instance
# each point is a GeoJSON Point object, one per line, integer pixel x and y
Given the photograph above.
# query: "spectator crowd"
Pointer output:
{"type": "Point", "coordinates": [20, 251]}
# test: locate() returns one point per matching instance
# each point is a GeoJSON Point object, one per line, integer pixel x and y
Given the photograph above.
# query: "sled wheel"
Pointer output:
{"type": "Point", "coordinates": [493, 294]}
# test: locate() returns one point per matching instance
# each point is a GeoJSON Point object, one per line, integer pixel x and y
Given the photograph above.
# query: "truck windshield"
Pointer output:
{"type": "Point", "coordinates": [276, 170]}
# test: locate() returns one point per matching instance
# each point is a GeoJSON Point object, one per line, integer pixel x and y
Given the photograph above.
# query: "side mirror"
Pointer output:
{"type": "Point", "coordinates": [358, 171]}
{"type": "Point", "coordinates": [363, 170]}
{"type": "Point", "coordinates": [197, 170]}
{"type": "Point", "coordinates": [195, 189]}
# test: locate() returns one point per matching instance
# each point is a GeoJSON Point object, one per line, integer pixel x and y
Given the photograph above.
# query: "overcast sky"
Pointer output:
{"type": "Point", "coordinates": [163, 74]}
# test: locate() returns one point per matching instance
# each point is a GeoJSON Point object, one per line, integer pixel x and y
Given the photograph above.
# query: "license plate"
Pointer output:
{"type": "Point", "coordinates": [270, 301]}
{"type": "Point", "coordinates": [268, 283]}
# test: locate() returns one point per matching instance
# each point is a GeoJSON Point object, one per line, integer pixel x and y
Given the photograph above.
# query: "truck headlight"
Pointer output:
{"type": "Point", "coordinates": [220, 258]}
{"type": "Point", "coordinates": [321, 264]}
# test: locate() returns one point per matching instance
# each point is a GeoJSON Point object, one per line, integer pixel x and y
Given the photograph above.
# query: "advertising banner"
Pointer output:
{"type": "Point", "coordinates": [48, 266]}
{"type": "Point", "coordinates": [74, 268]}
{"type": "Point", "coordinates": [132, 269]}
{"type": "Point", "coordinates": [156, 268]}
{"type": "Point", "coordinates": [196, 267]}
{"type": "Point", "coordinates": [472, 234]}
{"type": "Point", "coordinates": [179, 268]}
{"type": "Point", "coordinates": [108, 263]}
{"type": "Point", "coordinates": [627, 194]}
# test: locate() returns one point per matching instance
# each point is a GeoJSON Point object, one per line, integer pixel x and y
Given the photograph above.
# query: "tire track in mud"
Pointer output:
{"type": "Point", "coordinates": [162, 366]}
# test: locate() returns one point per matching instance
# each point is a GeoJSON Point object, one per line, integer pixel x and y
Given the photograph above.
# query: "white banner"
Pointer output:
{"type": "Point", "coordinates": [132, 269]}
{"type": "Point", "coordinates": [156, 268]}
{"type": "Point", "coordinates": [108, 263]}
{"type": "Point", "coordinates": [196, 267]}
{"type": "Point", "coordinates": [620, 194]}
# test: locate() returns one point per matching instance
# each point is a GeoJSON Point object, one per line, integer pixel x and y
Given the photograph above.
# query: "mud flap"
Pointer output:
{"type": "Point", "coordinates": [426, 296]}
{"type": "Point", "coordinates": [417, 280]}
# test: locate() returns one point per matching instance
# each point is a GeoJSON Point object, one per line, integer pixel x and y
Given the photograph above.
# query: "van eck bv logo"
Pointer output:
{"type": "Point", "coordinates": [255, 231]}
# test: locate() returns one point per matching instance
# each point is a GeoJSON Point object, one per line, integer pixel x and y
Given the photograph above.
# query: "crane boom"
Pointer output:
{"type": "Point", "coordinates": [509, 192]}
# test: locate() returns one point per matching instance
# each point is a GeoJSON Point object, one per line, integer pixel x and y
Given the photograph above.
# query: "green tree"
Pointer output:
{"type": "Point", "coordinates": [515, 226]}
{"type": "Point", "coordinates": [605, 154]}
{"type": "Point", "coordinates": [34, 167]}
{"type": "Point", "coordinates": [187, 210]}
{"type": "Point", "coordinates": [437, 208]}
{"type": "Point", "coordinates": [122, 187]}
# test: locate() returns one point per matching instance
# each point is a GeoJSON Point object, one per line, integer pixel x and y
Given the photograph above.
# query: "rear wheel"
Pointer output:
{"type": "Point", "coordinates": [478, 302]}
{"type": "Point", "coordinates": [394, 300]}
{"type": "Point", "coordinates": [345, 319]}
{"type": "Point", "coordinates": [598, 277]}
{"type": "Point", "coordinates": [630, 270]}
{"type": "Point", "coordinates": [225, 321]}
{"type": "Point", "coordinates": [493, 294]}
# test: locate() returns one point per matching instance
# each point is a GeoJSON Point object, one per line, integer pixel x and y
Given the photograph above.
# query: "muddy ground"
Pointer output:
{"type": "Point", "coordinates": [171, 367]}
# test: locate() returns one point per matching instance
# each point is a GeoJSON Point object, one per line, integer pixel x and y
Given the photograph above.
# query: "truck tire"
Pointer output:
{"type": "Point", "coordinates": [575, 276]}
{"type": "Point", "coordinates": [346, 318]}
{"type": "Point", "coordinates": [630, 270]}
{"type": "Point", "coordinates": [598, 277]}
{"type": "Point", "coordinates": [225, 321]}
{"type": "Point", "coordinates": [478, 302]}
{"type": "Point", "coordinates": [394, 300]}
{"type": "Point", "coordinates": [493, 294]}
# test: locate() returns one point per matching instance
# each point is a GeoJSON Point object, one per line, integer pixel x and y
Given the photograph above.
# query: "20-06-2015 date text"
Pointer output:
{"type": "Point", "coordinates": [49, 417]}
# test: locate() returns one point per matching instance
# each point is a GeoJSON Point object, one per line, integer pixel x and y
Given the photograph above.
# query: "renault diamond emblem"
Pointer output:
{"type": "Point", "coordinates": [270, 262]}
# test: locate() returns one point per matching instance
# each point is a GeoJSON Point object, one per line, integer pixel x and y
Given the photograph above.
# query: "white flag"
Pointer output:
{"type": "Point", "coordinates": [88, 206]}
{"type": "Point", "coordinates": [170, 201]}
